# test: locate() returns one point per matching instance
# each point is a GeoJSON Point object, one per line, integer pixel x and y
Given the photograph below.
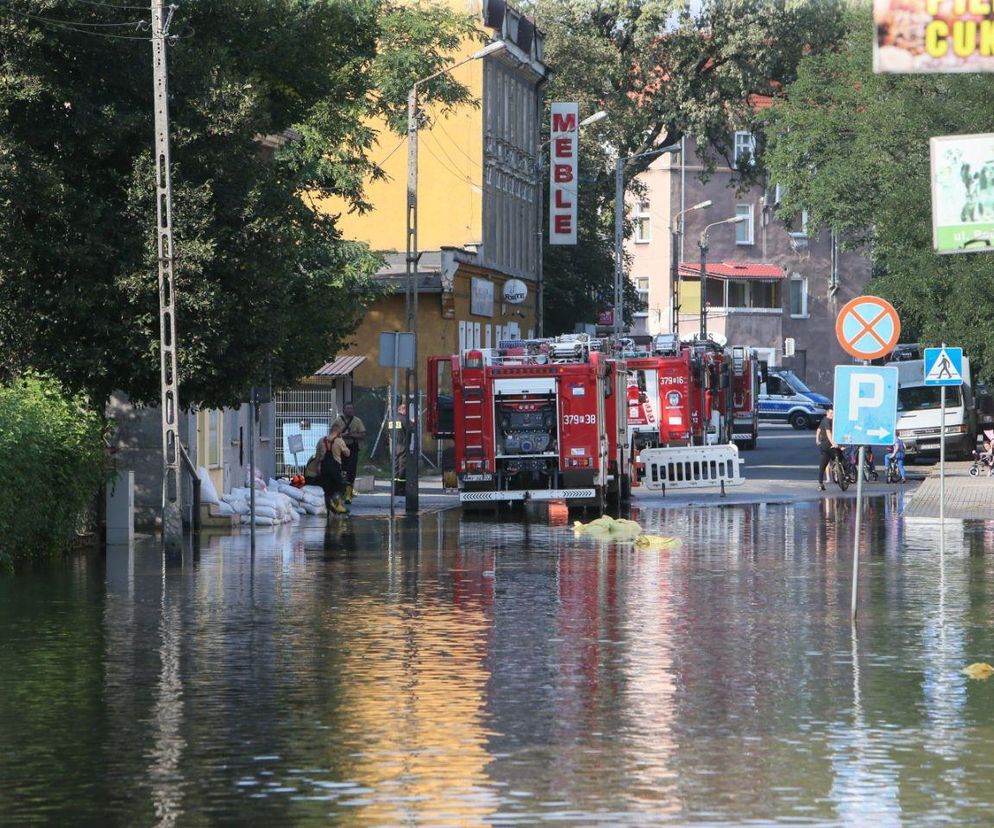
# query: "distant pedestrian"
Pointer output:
{"type": "Point", "coordinates": [331, 451]}
{"type": "Point", "coordinates": [829, 449]}
{"type": "Point", "coordinates": [353, 432]}
{"type": "Point", "coordinates": [402, 439]}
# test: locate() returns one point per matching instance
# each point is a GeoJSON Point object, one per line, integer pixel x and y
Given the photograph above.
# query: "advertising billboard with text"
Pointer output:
{"type": "Point", "coordinates": [564, 149]}
{"type": "Point", "coordinates": [963, 193]}
{"type": "Point", "coordinates": [933, 36]}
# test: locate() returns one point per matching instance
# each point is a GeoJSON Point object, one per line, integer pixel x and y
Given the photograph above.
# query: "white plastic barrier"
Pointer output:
{"type": "Point", "coordinates": [691, 467]}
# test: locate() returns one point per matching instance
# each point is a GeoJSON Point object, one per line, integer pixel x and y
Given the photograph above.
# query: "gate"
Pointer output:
{"type": "Point", "coordinates": [691, 467]}
{"type": "Point", "coordinates": [303, 416]}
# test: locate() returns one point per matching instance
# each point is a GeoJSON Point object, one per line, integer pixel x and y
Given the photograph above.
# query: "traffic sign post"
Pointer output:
{"type": "Point", "coordinates": [943, 366]}
{"type": "Point", "coordinates": [868, 327]}
{"type": "Point", "coordinates": [865, 414]}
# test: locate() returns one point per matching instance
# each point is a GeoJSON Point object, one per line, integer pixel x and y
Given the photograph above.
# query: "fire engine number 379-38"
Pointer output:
{"type": "Point", "coordinates": [579, 419]}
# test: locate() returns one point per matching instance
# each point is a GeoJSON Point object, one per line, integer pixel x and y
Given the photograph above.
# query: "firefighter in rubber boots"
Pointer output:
{"type": "Point", "coordinates": [332, 477]}
{"type": "Point", "coordinates": [353, 433]}
{"type": "Point", "coordinates": [402, 424]}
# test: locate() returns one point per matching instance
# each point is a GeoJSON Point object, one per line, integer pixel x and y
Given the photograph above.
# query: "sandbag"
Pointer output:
{"type": "Point", "coordinates": [208, 494]}
{"type": "Point", "coordinates": [259, 520]}
{"type": "Point", "coordinates": [221, 509]}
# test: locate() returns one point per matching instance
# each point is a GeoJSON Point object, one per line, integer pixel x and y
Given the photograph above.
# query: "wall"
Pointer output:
{"type": "Point", "coordinates": [450, 177]}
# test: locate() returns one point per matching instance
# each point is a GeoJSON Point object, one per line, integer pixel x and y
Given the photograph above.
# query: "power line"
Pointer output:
{"type": "Point", "coordinates": [453, 142]}
{"type": "Point", "coordinates": [83, 27]}
{"type": "Point", "coordinates": [110, 5]}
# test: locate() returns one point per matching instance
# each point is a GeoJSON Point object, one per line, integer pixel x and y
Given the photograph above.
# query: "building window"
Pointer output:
{"type": "Point", "coordinates": [798, 296]}
{"type": "Point", "coordinates": [214, 439]}
{"type": "Point", "coordinates": [642, 288]}
{"type": "Point", "coordinates": [743, 230]}
{"type": "Point", "coordinates": [745, 148]}
{"type": "Point", "coordinates": [643, 228]}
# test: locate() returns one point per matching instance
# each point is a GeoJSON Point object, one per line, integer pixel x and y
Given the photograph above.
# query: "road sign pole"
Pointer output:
{"type": "Point", "coordinates": [942, 469]}
{"type": "Point", "coordinates": [859, 520]}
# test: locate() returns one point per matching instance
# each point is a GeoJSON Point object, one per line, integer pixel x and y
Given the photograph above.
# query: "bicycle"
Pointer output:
{"type": "Point", "coordinates": [840, 470]}
{"type": "Point", "coordinates": [893, 472]}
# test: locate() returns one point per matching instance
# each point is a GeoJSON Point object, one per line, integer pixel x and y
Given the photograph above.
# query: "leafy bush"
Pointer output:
{"type": "Point", "coordinates": [51, 465]}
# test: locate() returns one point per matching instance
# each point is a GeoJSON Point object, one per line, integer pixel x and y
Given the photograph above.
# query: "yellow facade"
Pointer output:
{"type": "Point", "coordinates": [450, 177]}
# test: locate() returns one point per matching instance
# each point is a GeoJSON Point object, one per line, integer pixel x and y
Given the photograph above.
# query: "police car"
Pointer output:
{"type": "Point", "coordinates": [783, 398]}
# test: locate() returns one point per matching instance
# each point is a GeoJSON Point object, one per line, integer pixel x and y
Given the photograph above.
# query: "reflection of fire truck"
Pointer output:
{"type": "Point", "coordinates": [536, 419]}
{"type": "Point", "coordinates": [691, 394]}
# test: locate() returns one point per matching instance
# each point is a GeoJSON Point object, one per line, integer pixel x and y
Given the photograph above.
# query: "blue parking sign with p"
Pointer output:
{"type": "Point", "coordinates": [865, 405]}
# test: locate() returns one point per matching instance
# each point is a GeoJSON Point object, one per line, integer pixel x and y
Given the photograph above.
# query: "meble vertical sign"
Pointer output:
{"type": "Point", "coordinates": [564, 140]}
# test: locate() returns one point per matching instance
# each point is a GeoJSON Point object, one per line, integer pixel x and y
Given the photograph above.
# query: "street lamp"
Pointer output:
{"type": "Point", "coordinates": [619, 231]}
{"type": "Point", "coordinates": [600, 115]}
{"type": "Point", "coordinates": [676, 230]}
{"type": "Point", "coordinates": [703, 244]}
{"type": "Point", "coordinates": [411, 290]}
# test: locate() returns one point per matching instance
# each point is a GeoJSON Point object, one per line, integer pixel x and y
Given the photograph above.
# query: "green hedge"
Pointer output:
{"type": "Point", "coordinates": [51, 467]}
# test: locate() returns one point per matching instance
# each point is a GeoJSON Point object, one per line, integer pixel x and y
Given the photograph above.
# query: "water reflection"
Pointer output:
{"type": "Point", "coordinates": [468, 672]}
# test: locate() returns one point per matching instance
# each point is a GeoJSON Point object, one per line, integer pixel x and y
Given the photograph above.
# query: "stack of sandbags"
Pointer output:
{"type": "Point", "coordinates": [608, 528]}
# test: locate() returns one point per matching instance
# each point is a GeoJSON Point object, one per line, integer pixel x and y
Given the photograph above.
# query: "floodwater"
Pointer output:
{"type": "Point", "coordinates": [484, 673]}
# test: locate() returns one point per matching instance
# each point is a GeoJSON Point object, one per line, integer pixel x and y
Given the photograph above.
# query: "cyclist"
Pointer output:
{"type": "Point", "coordinates": [897, 452]}
{"type": "Point", "coordinates": [827, 445]}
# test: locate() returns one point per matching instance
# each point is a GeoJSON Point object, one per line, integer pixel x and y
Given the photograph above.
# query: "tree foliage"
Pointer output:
{"type": "Point", "coordinates": [51, 465]}
{"type": "Point", "coordinates": [665, 70]}
{"type": "Point", "coordinates": [852, 148]}
{"type": "Point", "coordinates": [266, 285]}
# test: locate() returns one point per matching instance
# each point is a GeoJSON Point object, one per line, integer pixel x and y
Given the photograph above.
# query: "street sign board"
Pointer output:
{"type": "Point", "coordinates": [865, 405]}
{"type": "Point", "coordinates": [868, 327]}
{"type": "Point", "coordinates": [961, 193]}
{"type": "Point", "coordinates": [943, 366]}
{"type": "Point", "coordinates": [396, 349]}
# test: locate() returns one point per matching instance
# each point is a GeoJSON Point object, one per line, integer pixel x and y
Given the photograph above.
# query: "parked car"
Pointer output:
{"type": "Point", "coordinates": [784, 398]}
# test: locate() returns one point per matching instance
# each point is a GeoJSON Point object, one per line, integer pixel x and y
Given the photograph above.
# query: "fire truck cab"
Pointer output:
{"type": "Point", "coordinates": [533, 420]}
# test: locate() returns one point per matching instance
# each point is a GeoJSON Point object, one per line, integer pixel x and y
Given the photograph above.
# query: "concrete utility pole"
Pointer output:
{"type": "Point", "coordinates": [619, 234]}
{"type": "Point", "coordinates": [414, 444]}
{"type": "Point", "coordinates": [172, 520]}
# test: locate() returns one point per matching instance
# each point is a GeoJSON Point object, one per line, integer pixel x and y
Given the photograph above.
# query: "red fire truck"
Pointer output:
{"type": "Point", "coordinates": [533, 420]}
{"type": "Point", "coordinates": [691, 394]}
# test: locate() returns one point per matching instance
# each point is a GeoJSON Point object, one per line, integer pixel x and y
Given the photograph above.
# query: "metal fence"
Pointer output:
{"type": "Point", "coordinates": [303, 416]}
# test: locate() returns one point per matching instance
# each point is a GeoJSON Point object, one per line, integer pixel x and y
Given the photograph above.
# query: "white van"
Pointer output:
{"type": "Point", "coordinates": [918, 413]}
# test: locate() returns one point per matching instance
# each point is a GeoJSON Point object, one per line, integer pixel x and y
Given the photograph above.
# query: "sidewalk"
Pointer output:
{"type": "Point", "coordinates": [432, 498]}
{"type": "Point", "coordinates": [967, 498]}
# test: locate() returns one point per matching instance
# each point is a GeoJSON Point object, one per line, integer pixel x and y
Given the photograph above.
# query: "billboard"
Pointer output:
{"type": "Point", "coordinates": [933, 36]}
{"type": "Point", "coordinates": [963, 193]}
{"type": "Point", "coordinates": [564, 140]}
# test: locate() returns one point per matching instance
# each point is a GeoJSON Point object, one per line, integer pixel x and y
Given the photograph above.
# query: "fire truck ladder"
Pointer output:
{"type": "Point", "coordinates": [473, 416]}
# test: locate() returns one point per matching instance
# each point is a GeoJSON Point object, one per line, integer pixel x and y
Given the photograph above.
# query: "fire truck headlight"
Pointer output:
{"type": "Point", "coordinates": [673, 398]}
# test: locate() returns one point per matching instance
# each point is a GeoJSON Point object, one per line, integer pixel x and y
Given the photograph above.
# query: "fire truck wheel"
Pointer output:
{"type": "Point", "coordinates": [748, 445]}
{"type": "Point", "coordinates": [800, 421]}
{"type": "Point", "coordinates": [626, 488]}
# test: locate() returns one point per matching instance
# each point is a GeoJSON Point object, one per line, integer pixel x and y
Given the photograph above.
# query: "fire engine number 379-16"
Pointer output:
{"type": "Point", "coordinates": [579, 419]}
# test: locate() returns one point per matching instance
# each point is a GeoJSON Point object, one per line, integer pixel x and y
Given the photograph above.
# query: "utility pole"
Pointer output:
{"type": "Point", "coordinates": [172, 520]}
{"type": "Point", "coordinates": [414, 443]}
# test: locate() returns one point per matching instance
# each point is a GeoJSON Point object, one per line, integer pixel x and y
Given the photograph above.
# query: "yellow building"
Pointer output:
{"type": "Point", "coordinates": [479, 207]}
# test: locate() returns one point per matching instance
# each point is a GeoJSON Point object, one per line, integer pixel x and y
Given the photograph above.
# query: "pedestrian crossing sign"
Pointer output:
{"type": "Point", "coordinates": [943, 366]}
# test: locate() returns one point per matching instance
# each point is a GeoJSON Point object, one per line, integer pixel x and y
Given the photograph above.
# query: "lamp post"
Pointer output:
{"type": "Point", "coordinates": [411, 289]}
{"type": "Point", "coordinates": [676, 230]}
{"type": "Point", "coordinates": [600, 115]}
{"type": "Point", "coordinates": [619, 231]}
{"type": "Point", "coordinates": [703, 244]}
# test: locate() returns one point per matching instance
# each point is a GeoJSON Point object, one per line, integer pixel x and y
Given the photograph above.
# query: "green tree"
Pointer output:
{"type": "Point", "coordinates": [664, 70]}
{"type": "Point", "coordinates": [265, 282]}
{"type": "Point", "coordinates": [852, 148]}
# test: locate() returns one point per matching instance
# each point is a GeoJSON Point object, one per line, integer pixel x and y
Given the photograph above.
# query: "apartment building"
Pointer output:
{"type": "Point", "coordinates": [767, 282]}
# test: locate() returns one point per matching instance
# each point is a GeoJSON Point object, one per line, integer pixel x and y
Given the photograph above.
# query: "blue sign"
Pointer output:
{"type": "Point", "coordinates": [865, 405]}
{"type": "Point", "coordinates": [943, 366]}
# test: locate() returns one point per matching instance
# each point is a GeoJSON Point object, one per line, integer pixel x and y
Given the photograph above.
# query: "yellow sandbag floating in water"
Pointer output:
{"type": "Point", "coordinates": [979, 670]}
{"type": "Point", "coordinates": [656, 542]}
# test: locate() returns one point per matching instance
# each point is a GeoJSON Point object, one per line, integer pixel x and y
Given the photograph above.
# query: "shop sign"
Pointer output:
{"type": "Point", "coordinates": [564, 150]}
{"type": "Point", "coordinates": [515, 291]}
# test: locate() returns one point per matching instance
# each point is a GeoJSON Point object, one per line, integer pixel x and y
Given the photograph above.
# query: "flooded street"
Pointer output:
{"type": "Point", "coordinates": [472, 672]}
